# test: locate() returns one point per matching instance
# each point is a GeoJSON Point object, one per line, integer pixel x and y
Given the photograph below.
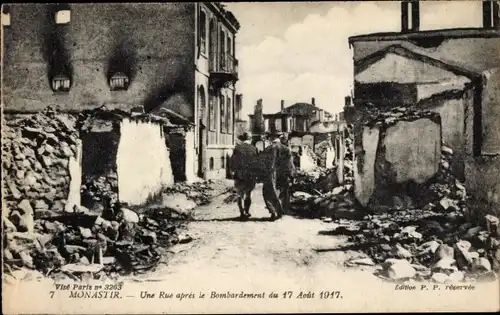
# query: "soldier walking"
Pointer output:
{"type": "Point", "coordinates": [243, 165]}
{"type": "Point", "coordinates": [276, 168]}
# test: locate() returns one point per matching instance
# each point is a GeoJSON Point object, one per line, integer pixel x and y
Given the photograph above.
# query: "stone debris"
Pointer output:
{"type": "Point", "coordinates": [35, 157]}
{"type": "Point", "coordinates": [201, 193]}
{"type": "Point", "coordinates": [43, 233]}
{"type": "Point", "coordinates": [442, 253]}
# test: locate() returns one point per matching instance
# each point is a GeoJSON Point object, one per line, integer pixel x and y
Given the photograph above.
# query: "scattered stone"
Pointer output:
{"type": "Point", "coordinates": [72, 249]}
{"type": "Point", "coordinates": [444, 251]}
{"type": "Point", "coordinates": [25, 207]}
{"type": "Point", "coordinates": [129, 216]}
{"type": "Point", "coordinates": [400, 252]}
{"type": "Point", "coordinates": [446, 265]}
{"type": "Point", "coordinates": [472, 232]}
{"type": "Point", "coordinates": [185, 238]}
{"type": "Point", "coordinates": [85, 232]}
{"type": "Point", "coordinates": [108, 260]}
{"type": "Point", "coordinates": [440, 277]}
{"type": "Point", "coordinates": [400, 269]}
{"type": "Point", "coordinates": [41, 205]}
{"type": "Point", "coordinates": [14, 191]}
{"type": "Point", "coordinates": [462, 255]}
{"type": "Point", "coordinates": [428, 247]}
{"type": "Point", "coordinates": [84, 260]}
{"type": "Point", "coordinates": [8, 226]}
{"type": "Point", "coordinates": [492, 225]}
{"type": "Point", "coordinates": [448, 204]}
{"type": "Point", "coordinates": [481, 265]}
{"type": "Point", "coordinates": [150, 237]}
{"type": "Point", "coordinates": [457, 276]}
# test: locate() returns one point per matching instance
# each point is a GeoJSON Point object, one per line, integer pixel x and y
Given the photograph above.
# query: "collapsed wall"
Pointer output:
{"type": "Point", "coordinates": [401, 151]}
{"type": "Point", "coordinates": [53, 162]}
{"type": "Point", "coordinates": [41, 166]}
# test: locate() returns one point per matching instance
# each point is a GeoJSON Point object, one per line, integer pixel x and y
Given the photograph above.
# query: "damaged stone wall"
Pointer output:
{"type": "Point", "coordinates": [451, 107]}
{"type": "Point", "coordinates": [401, 148]}
{"type": "Point", "coordinates": [41, 172]}
{"type": "Point", "coordinates": [143, 161]}
{"type": "Point", "coordinates": [482, 163]}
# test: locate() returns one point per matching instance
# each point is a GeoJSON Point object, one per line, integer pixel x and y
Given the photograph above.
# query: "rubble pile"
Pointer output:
{"type": "Point", "coordinates": [82, 243]}
{"type": "Point", "coordinates": [201, 192]}
{"type": "Point", "coordinates": [318, 193]}
{"type": "Point", "coordinates": [425, 245]}
{"type": "Point", "coordinates": [337, 203]}
{"type": "Point", "coordinates": [47, 233]}
{"type": "Point", "coordinates": [435, 241]}
{"type": "Point", "coordinates": [319, 180]}
{"type": "Point", "coordinates": [101, 193]}
{"type": "Point", "coordinates": [36, 153]}
{"type": "Point", "coordinates": [320, 150]}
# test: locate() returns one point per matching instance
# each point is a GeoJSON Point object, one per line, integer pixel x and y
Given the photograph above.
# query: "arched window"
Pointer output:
{"type": "Point", "coordinates": [222, 116]}
{"type": "Point", "coordinates": [203, 32]}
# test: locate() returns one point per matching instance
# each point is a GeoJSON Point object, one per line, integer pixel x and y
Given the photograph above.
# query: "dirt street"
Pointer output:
{"type": "Point", "coordinates": [290, 250]}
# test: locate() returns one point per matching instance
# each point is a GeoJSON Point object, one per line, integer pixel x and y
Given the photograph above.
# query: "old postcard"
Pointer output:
{"type": "Point", "coordinates": [250, 157]}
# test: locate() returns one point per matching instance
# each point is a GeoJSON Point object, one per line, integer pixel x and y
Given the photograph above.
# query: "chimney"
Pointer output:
{"type": "Point", "coordinates": [313, 101]}
{"type": "Point", "coordinates": [491, 19]}
{"type": "Point", "coordinates": [410, 16]}
{"type": "Point", "coordinates": [282, 105]}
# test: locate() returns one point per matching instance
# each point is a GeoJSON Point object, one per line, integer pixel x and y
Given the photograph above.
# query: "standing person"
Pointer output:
{"type": "Point", "coordinates": [276, 166]}
{"type": "Point", "coordinates": [243, 163]}
{"type": "Point", "coordinates": [285, 173]}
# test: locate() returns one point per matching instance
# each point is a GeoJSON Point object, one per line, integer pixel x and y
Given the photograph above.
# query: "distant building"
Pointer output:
{"type": "Point", "coordinates": [296, 118]}
{"type": "Point", "coordinates": [240, 125]}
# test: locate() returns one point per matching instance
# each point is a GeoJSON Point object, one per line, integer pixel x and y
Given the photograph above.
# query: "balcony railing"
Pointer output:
{"type": "Point", "coordinates": [227, 64]}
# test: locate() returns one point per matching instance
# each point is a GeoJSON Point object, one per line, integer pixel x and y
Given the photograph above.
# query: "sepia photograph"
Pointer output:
{"type": "Point", "coordinates": [250, 157]}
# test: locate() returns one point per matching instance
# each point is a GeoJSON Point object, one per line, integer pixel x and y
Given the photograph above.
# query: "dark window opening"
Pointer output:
{"type": "Point", "coordinates": [222, 111]}
{"type": "Point", "coordinates": [203, 32]}
{"type": "Point", "coordinates": [61, 83]}
{"type": "Point", "coordinates": [211, 164]}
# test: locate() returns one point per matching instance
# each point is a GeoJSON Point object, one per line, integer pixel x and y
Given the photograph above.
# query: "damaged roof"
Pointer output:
{"type": "Point", "coordinates": [163, 116]}
{"type": "Point", "coordinates": [411, 51]}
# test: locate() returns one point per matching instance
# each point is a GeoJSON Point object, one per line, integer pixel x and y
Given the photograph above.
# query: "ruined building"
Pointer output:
{"type": "Point", "coordinates": [452, 72]}
{"type": "Point", "coordinates": [148, 89]}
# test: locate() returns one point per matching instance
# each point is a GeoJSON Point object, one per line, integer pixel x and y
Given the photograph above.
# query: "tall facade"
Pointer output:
{"type": "Point", "coordinates": [177, 56]}
{"type": "Point", "coordinates": [216, 75]}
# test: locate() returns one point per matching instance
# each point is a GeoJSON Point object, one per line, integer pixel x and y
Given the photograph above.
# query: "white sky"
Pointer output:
{"type": "Point", "coordinates": [295, 51]}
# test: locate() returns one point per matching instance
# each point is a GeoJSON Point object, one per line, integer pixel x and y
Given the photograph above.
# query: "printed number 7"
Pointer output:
{"type": "Point", "coordinates": [51, 294]}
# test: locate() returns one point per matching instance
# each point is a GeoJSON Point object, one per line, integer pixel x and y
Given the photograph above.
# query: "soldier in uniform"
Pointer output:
{"type": "Point", "coordinates": [276, 166]}
{"type": "Point", "coordinates": [243, 166]}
